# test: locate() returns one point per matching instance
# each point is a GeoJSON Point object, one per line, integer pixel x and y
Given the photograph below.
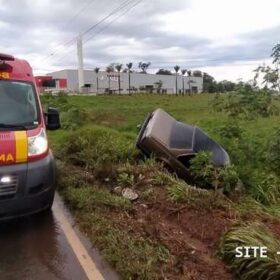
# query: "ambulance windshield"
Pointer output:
{"type": "Point", "coordinates": [18, 104]}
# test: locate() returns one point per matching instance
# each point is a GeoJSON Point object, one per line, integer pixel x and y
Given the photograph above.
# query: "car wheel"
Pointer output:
{"type": "Point", "coordinates": [165, 165]}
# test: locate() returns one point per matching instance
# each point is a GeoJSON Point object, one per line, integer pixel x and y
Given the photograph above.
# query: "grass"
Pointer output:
{"type": "Point", "coordinates": [88, 198]}
{"type": "Point", "coordinates": [105, 218]}
{"type": "Point", "coordinates": [253, 234]}
{"type": "Point", "coordinates": [97, 153]}
{"type": "Point", "coordinates": [124, 113]}
{"type": "Point", "coordinates": [95, 145]}
{"type": "Point", "coordinates": [181, 192]}
{"type": "Point", "coordinates": [133, 256]}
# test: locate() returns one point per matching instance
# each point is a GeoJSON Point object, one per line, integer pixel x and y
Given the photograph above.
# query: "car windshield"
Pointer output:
{"type": "Point", "coordinates": [18, 104]}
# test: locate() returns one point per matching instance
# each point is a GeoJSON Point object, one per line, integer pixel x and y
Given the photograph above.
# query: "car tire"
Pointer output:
{"type": "Point", "coordinates": [166, 165]}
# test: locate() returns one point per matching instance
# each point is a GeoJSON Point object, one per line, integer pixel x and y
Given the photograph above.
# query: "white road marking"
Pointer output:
{"type": "Point", "coordinates": [81, 253]}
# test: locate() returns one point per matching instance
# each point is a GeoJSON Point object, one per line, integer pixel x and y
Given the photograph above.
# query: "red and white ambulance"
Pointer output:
{"type": "Point", "coordinates": [27, 169]}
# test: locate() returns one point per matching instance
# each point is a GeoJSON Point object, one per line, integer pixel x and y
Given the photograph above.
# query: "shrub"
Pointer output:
{"type": "Point", "coordinates": [247, 103]}
{"type": "Point", "coordinates": [230, 130]}
{"type": "Point", "coordinates": [202, 169]}
{"type": "Point", "coordinates": [273, 152]}
{"type": "Point", "coordinates": [73, 119]}
{"type": "Point", "coordinates": [205, 174]}
{"type": "Point", "coordinates": [217, 103]}
{"type": "Point", "coordinates": [253, 234]}
{"type": "Point", "coordinates": [61, 102]}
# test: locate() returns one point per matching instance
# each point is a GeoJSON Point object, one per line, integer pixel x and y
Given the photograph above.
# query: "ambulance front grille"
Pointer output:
{"type": "Point", "coordinates": [9, 189]}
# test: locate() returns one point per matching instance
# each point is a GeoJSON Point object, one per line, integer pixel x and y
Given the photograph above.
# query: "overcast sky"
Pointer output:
{"type": "Point", "coordinates": [226, 38]}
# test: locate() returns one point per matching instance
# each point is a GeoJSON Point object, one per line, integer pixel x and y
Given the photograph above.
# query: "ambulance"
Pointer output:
{"type": "Point", "coordinates": [27, 167]}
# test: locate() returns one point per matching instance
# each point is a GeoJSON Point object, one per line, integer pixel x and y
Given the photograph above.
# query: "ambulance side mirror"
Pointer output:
{"type": "Point", "coordinates": [52, 119]}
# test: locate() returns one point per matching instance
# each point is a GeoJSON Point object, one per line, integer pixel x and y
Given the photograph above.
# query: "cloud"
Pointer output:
{"type": "Point", "coordinates": [191, 33]}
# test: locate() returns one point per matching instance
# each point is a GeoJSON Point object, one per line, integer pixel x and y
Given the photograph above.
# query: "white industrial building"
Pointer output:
{"type": "Point", "coordinates": [139, 82]}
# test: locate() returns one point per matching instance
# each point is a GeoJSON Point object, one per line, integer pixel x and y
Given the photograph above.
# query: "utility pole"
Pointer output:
{"type": "Point", "coordinates": [80, 63]}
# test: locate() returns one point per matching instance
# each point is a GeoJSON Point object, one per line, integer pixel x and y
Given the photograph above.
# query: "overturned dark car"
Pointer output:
{"type": "Point", "coordinates": [175, 143]}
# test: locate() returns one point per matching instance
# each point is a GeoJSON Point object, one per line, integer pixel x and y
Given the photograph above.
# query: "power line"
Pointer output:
{"type": "Point", "coordinates": [65, 26]}
{"type": "Point", "coordinates": [116, 10]}
{"type": "Point", "coordinates": [73, 40]}
{"type": "Point", "coordinates": [122, 6]}
{"type": "Point", "coordinates": [114, 20]}
{"type": "Point", "coordinates": [87, 4]}
{"type": "Point", "coordinates": [68, 44]}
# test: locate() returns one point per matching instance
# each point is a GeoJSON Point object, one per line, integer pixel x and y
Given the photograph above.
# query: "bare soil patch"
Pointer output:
{"type": "Point", "coordinates": [191, 235]}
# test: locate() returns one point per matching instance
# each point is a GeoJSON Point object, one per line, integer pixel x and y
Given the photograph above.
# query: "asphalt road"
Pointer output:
{"type": "Point", "coordinates": [46, 246]}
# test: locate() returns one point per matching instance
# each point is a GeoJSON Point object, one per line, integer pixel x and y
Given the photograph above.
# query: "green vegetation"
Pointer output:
{"type": "Point", "coordinates": [254, 234]}
{"type": "Point", "coordinates": [133, 256]}
{"type": "Point", "coordinates": [270, 75]}
{"type": "Point", "coordinates": [205, 174]}
{"type": "Point", "coordinates": [91, 146]}
{"type": "Point", "coordinates": [107, 218]}
{"type": "Point", "coordinates": [273, 152]}
{"type": "Point", "coordinates": [198, 198]}
{"type": "Point", "coordinates": [247, 103]}
{"type": "Point", "coordinates": [98, 159]}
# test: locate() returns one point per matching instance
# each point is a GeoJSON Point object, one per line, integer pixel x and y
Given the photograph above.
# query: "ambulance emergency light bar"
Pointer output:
{"type": "Point", "coordinates": [4, 66]}
{"type": "Point", "coordinates": [6, 57]}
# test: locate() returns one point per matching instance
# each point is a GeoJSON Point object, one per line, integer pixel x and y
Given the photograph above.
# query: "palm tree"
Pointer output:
{"type": "Point", "coordinates": [183, 72]}
{"type": "Point", "coordinates": [119, 68]}
{"type": "Point", "coordinates": [176, 68]}
{"type": "Point", "coordinates": [189, 75]}
{"type": "Point", "coordinates": [96, 70]}
{"type": "Point", "coordinates": [129, 66]}
{"type": "Point", "coordinates": [109, 69]}
{"type": "Point", "coordinates": [144, 66]}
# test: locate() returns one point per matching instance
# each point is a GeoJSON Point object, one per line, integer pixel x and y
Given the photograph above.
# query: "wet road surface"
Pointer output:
{"type": "Point", "coordinates": [37, 248]}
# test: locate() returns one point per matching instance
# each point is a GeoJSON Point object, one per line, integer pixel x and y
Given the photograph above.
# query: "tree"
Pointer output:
{"type": "Point", "coordinates": [129, 67]}
{"type": "Point", "coordinates": [228, 85]}
{"type": "Point", "coordinates": [144, 66]}
{"type": "Point", "coordinates": [163, 72]}
{"type": "Point", "coordinates": [189, 80]}
{"type": "Point", "coordinates": [109, 70]}
{"type": "Point", "coordinates": [197, 73]}
{"type": "Point", "coordinates": [183, 72]}
{"type": "Point", "coordinates": [270, 76]}
{"type": "Point", "coordinates": [119, 68]}
{"type": "Point", "coordinates": [176, 68]}
{"type": "Point", "coordinates": [96, 70]}
{"type": "Point", "coordinates": [276, 54]}
{"type": "Point", "coordinates": [209, 84]}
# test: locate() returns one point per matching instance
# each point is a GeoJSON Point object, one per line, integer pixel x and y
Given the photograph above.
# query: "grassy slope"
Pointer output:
{"type": "Point", "coordinates": [94, 205]}
{"type": "Point", "coordinates": [125, 112]}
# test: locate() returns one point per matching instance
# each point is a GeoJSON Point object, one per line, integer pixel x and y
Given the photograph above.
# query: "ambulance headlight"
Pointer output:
{"type": "Point", "coordinates": [38, 145]}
